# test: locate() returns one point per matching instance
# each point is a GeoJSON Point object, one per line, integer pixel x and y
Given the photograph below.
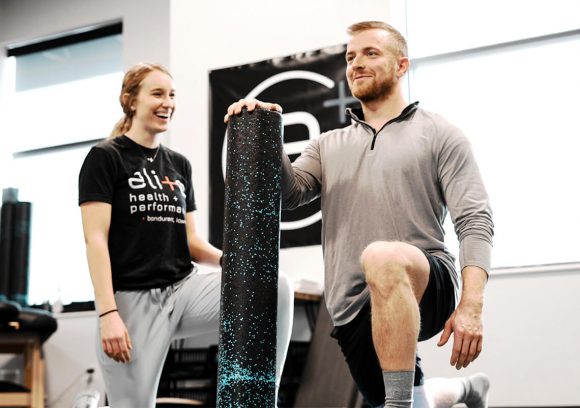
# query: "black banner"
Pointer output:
{"type": "Point", "coordinates": [311, 88]}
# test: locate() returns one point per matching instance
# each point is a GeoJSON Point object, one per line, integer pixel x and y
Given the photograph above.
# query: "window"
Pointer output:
{"type": "Point", "coordinates": [507, 74]}
{"type": "Point", "coordinates": [437, 27]}
{"type": "Point", "coordinates": [61, 98]}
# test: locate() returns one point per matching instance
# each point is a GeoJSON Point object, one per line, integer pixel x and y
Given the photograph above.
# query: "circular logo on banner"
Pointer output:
{"type": "Point", "coordinates": [293, 118]}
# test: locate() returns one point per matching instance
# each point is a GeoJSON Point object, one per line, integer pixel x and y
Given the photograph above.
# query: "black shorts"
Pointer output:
{"type": "Point", "coordinates": [355, 337]}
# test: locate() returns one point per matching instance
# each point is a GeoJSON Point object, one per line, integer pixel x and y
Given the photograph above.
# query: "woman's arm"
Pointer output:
{"type": "Point", "coordinates": [200, 250]}
{"type": "Point", "coordinates": [115, 339]}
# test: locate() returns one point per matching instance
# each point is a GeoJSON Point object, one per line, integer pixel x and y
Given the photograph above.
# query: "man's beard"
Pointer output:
{"type": "Point", "coordinates": [375, 91]}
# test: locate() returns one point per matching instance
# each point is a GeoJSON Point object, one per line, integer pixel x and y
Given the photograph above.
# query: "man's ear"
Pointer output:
{"type": "Point", "coordinates": [403, 66]}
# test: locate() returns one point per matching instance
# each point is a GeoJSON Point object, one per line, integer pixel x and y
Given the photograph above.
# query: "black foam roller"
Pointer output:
{"type": "Point", "coordinates": [6, 231]}
{"type": "Point", "coordinates": [20, 252]}
{"type": "Point", "coordinates": [249, 299]}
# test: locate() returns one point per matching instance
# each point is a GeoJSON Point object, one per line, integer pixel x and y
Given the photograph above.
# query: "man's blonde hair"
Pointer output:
{"type": "Point", "coordinates": [399, 43]}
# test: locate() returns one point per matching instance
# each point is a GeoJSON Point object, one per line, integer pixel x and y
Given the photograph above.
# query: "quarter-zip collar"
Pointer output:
{"type": "Point", "coordinates": [356, 114]}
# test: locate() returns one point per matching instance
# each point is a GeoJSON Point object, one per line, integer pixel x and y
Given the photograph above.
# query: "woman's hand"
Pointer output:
{"type": "Point", "coordinates": [115, 338]}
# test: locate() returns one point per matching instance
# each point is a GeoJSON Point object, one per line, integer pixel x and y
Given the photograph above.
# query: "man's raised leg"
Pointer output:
{"type": "Point", "coordinates": [397, 275]}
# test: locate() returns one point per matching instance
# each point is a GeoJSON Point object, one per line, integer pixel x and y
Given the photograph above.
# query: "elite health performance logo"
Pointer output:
{"type": "Point", "coordinates": [151, 201]}
{"type": "Point", "coordinates": [307, 119]}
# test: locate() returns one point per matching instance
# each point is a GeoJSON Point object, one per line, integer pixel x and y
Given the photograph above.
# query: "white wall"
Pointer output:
{"type": "Point", "coordinates": [531, 319]}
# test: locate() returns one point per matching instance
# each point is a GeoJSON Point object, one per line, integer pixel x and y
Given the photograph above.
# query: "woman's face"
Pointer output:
{"type": "Point", "coordinates": [155, 103]}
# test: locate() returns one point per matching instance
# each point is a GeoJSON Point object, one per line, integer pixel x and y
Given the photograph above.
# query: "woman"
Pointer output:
{"type": "Point", "coordinates": [137, 205]}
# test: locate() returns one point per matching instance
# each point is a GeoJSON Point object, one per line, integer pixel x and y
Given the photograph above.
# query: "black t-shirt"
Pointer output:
{"type": "Point", "coordinates": [150, 192]}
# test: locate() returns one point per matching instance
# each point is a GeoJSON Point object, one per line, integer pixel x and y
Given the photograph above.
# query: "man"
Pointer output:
{"type": "Point", "coordinates": [386, 183]}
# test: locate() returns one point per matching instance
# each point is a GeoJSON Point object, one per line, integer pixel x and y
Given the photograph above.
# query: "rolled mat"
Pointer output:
{"type": "Point", "coordinates": [6, 232]}
{"type": "Point", "coordinates": [20, 252]}
{"type": "Point", "coordinates": [247, 340]}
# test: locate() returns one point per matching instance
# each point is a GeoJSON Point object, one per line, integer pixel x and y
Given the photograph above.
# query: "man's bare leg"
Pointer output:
{"type": "Point", "coordinates": [397, 275]}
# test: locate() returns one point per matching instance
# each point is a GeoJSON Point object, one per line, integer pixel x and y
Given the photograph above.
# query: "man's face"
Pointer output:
{"type": "Point", "coordinates": [372, 66]}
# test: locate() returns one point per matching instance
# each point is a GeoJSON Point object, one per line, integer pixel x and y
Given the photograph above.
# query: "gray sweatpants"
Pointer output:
{"type": "Point", "coordinates": [156, 317]}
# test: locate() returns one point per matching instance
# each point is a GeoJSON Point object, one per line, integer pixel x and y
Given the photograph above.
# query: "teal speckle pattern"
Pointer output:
{"type": "Point", "coordinates": [247, 341]}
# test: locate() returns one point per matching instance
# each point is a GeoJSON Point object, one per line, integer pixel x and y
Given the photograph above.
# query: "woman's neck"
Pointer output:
{"type": "Point", "coordinates": [143, 138]}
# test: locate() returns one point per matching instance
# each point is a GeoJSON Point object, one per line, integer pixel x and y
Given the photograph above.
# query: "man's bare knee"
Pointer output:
{"type": "Point", "coordinates": [388, 265]}
{"type": "Point", "coordinates": [384, 267]}
{"type": "Point", "coordinates": [384, 255]}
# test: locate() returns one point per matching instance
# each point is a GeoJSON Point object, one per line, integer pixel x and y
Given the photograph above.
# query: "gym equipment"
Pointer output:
{"type": "Point", "coordinates": [247, 340]}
